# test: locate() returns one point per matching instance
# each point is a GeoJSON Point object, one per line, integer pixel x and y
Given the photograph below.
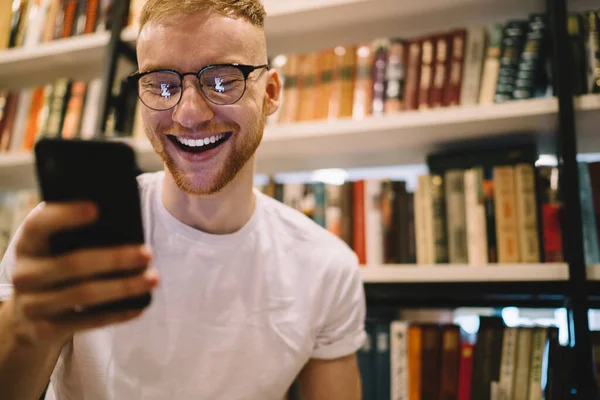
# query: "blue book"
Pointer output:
{"type": "Point", "coordinates": [382, 360]}
{"type": "Point", "coordinates": [588, 216]}
{"type": "Point", "coordinates": [366, 363]}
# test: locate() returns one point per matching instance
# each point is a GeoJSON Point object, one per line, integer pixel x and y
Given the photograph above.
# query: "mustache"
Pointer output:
{"type": "Point", "coordinates": [212, 127]}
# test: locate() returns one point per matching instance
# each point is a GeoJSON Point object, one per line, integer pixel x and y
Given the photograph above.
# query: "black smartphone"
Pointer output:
{"type": "Point", "coordinates": [103, 172]}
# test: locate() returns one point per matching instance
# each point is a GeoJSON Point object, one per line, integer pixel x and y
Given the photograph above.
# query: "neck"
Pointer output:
{"type": "Point", "coordinates": [220, 213]}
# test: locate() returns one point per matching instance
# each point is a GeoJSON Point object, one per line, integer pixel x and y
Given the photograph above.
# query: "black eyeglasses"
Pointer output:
{"type": "Point", "coordinates": [221, 84]}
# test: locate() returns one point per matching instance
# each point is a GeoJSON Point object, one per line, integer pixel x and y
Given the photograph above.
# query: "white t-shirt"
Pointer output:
{"type": "Point", "coordinates": [234, 317]}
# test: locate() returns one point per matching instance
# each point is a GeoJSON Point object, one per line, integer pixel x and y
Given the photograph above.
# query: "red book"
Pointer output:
{"type": "Point", "coordinates": [457, 57]}
{"type": "Point", "coordinates": [413, 75]}
{"type": "Point", "coordinates": [465, 371]}
{"type": "Point", "coordinates": [553, 251]}
{"type": "Point", "coordinates": [359, 221]}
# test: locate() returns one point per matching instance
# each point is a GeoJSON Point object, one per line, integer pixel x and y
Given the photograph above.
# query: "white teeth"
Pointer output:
{"type": "Point", "coordinates": [200, 142]}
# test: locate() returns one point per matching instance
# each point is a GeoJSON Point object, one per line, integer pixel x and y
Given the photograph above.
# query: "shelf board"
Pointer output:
{"type": "Point", "coordinates": [80, 57]}
{"type": "Point", "coordinates": [400, 139]}
{"type": "Point", "coordinates": [407, 137]}
{"type": "Point", "coordinates": [17, 171]}
{"type": "Point", "coordinates": [593, 272]}
{"type": "Point", "coordinates": [465, 273]}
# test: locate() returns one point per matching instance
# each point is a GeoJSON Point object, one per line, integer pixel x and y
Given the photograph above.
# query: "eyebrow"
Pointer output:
{"type": "Point", "coordinates": [153, 67]}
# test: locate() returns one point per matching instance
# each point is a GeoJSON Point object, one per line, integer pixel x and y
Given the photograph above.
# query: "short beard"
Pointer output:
{"type": "Point", "coordinates": [241, 153]}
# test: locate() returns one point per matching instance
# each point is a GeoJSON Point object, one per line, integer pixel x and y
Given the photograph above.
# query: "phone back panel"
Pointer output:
{"type": "Point", "coordinates": [102, 172]}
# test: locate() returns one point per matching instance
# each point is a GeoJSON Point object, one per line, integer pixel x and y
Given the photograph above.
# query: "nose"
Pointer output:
{"type": "Point", "coordinates": [193, 109]}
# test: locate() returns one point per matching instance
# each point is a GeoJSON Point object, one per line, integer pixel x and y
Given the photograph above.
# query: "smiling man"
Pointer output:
{"type": "Point", "coordinates": [252, 296]}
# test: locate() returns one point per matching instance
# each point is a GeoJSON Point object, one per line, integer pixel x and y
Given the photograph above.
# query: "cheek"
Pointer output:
{"type": "Point", "coordinates": [154, 120]}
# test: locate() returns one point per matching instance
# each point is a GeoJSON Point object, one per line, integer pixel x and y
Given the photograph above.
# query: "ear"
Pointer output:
{"type": "Point", "coordinates": [272, 92]}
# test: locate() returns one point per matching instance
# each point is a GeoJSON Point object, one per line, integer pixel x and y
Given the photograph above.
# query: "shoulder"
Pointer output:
{"type": "Point", "coordinates": [306, 239]}
{"type": "Point", "coordinates": [149, 180]}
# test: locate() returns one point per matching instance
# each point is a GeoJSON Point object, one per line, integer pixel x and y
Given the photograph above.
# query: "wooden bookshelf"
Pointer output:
{"type": "Point", "coordinates": [395, 139]}
{"type": "Point", "coordinates": [465, 273]}
{"type": "Point", "coordinates": [320, 24]}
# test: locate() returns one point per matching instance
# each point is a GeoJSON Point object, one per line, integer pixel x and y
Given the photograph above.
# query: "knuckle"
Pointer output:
{"type": "Point", "coordinates": [70, 262]}
{"type": "Point", "coordinates": [83, 294]}
{"type": "Point", "coordinates": [29, 307]}
{"type": "Point", "coordinates": [21, 278]}
{"type": "Point", "coordinates": [118, 258]}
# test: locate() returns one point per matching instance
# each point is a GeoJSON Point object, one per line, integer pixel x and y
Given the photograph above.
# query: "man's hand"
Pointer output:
{"type": "Point", "coordinates": [50, 290]}
{"type": "Point", "coordinates": [337, 379]}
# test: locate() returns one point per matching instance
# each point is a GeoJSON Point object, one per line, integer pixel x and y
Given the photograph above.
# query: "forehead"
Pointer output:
{"type": "Point", "coordinates": [191, 42]}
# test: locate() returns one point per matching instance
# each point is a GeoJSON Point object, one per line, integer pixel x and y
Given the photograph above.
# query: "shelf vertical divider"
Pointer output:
{"type": "Point", "coordinates": [119, 19]}
{"type": "Point", "coordinates": [583, 380]}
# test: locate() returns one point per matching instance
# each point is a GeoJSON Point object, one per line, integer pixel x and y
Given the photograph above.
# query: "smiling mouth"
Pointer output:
{"type": "Point", "coordinates": [200, 145]}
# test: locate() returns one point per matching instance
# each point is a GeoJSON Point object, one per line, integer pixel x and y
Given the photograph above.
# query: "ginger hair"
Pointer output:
{"type": "Point", "coordinates": [169, 10]}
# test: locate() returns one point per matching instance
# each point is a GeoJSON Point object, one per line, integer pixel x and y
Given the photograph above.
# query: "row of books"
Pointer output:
{"type": "Point", "coordinates": [463, 66]}
{"type": "Point", "coordinates": [406, 360]}
{"type": "Point", "coordinates": [27, 23]}
{"type": "Point", "coordinates": [61, 109]}
{"type": "Point", "coordinates": [473, 208]}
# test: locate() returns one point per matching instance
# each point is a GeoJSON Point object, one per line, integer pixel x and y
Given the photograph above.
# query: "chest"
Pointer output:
{"type": "Point", "coordinates": [214, 319]}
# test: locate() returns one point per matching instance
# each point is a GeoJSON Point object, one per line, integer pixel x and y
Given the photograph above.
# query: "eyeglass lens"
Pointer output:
{"type": "Point", "coordinates": [220, 85]}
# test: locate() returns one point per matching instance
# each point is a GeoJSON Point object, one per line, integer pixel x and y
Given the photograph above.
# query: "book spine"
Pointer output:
{"type": "Point", "coordinates": [291, 94]}
{"type": "Point", "coordinates": [472, 74]}
{"type": "Point", "coordinates": [449, 375]}
{"type": "Point", "coordinates": [359, 222]}
{"type": "Point", "coordinates": [426, 79]}
{"type": "Point", "coordinates": [452, 95]}
{"type": "Point", "coordinates": [395, 77]}
{"type": "Point", "coordinates": [507, 363]}
{"type": "Point", "coordinates": [456, 216]}
{"type": "Point", "coordinates": [366, 362]}
{"type": "Point", "coordinates": [512, 47]}
{"type": "Point", "coordinates": [307, 87]}
{"type": "Point", "coordinates": [430, 361]}
{"type": "Point", "coordinates": [521, 383]}
{"type": "Point", "coordinates": [399, 360]}
{"type": "Point", "coordinates": [477, 246]}
{"type": "Point", "coordinates": [465, 371]}
{"type": "Point", "coordinates": [590, 234]}
{"type": "Point", "coordinates": [527, 222]}
{"type": "Point", "coordinates": [506, 217]}
{"type": "Point", "coordinates": [319, 191]}
{"type": "Point", "coordinates": [415, 359]}
{"type": "Point", "coordinates": [326, 60]}
{"type": "Point", "coordinates": [441, 70]}
{"type": "Point", "coordinates": [363, 85]}
{"type": "Point", "coordinates": [382, 360]}
{"type": "Point", "coordinates": [491, 66]}
{"type": "Point", "coordinates": [413, 75]}
{"type": "Point", "coordinates": [438, 220]}
{"type": "Point", "coordinates": [531, 78]}
{"type": "Point", "coordinates": [373, 222]}
{"type": "Point", "coordinates": [379, 81]}
{"type": "Point", "coordinates": [421, 206]}
{"type": "Point", "coordinates": [592, 19]}
{"type": "Point", "coordinates": [537, 357]}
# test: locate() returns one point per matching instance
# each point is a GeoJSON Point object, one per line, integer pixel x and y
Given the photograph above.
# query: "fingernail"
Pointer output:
{"type": "Point", "coordinates": [151, 277]}
{"type": "Point", "coordinates": [89, 210]}
{"type": "Point", "coordinates": [146, 251]}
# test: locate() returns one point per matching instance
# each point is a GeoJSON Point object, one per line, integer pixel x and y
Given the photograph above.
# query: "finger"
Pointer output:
{"type": "Point", "coordinates": [39, 274]}
{"type": "Point", "coordinates": [49, 219]}
{"type": "Point", "coordinates": [92, 292]}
